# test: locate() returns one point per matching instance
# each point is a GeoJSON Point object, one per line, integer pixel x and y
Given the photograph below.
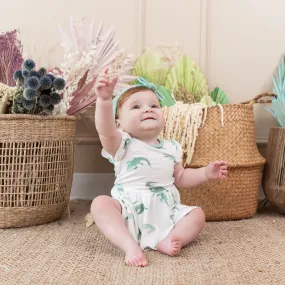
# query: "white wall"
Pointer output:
{"type": "Point", "coordinates": [38, 21]}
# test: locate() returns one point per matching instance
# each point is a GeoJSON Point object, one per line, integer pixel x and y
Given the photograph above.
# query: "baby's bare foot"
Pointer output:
{"type": "Point", "coordinates": [135, 257]}
{"type": "Point", "coordinates": [170, 246]}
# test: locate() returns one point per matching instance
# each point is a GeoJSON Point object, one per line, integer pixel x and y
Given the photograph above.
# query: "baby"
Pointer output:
{"type": "Point", "coordinates": [144, 211]}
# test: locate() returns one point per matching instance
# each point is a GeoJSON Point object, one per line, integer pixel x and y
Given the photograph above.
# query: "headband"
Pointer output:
{"type": "Point", "coordinates": [140, 82]}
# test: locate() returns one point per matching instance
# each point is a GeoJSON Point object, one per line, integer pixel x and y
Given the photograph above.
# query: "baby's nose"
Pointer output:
{"type": "Point", "coordinates": [147, 109]}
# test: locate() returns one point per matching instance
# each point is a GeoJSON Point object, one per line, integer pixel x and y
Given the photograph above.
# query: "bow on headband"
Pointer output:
{"type": "Point", "coordinates": [140, 82]}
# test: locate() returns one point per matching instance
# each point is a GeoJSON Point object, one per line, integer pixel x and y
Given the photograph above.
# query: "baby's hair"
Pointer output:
{"type": "Point", "coordinates": [127, 95]}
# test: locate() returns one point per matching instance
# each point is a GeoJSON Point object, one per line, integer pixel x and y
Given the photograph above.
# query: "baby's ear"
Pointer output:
{"type": "Point", "coordinates": [118, 124]}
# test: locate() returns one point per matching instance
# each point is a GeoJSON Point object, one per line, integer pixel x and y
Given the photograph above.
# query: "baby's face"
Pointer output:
{"type": "Point", "coordinates": [141, 115]}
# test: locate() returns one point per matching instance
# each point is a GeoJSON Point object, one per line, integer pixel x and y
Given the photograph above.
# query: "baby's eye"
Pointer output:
{"type": "Point", "coordinates": [154, 106]}
{"type": "Point", "coordinates": [136, 107]}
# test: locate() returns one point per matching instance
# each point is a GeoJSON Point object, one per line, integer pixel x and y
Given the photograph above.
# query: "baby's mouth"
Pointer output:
{"type": "Point", "coordinates": [148, 118]}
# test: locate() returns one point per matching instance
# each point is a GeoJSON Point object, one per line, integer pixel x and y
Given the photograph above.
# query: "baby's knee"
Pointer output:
{"type": "Point", "coordinates": [99, 203]}
{"type": "Point", "coordinates": [200, 217]}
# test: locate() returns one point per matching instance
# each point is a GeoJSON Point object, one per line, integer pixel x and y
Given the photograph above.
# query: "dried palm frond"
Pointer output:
{"type": "Point", "coordinates": [150, 66]}
{"type": "Point", "coordinates": [86, 55]}
{"type": "Point", "coordinates": [186, 81]}
{"type": "Point", "coordinates": [278, 103]}
{"type": "Point", "coordinates": [219, 96]}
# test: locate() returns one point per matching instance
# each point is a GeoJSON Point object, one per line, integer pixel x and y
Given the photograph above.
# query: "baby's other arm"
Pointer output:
{"type": "Point", "coordinates": [188, 178]}
{"type": "Point", "coordinates": [109, 135]}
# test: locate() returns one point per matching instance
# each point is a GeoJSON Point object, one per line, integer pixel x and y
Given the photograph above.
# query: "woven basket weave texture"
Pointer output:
{"type": "Point", "coordinates": [36, 168]}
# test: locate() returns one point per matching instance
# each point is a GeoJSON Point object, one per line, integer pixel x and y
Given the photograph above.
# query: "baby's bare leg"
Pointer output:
{"type": "Point", "coordinates": [184, 232]}
{"type": "Point", "coordinates": [106, 213]}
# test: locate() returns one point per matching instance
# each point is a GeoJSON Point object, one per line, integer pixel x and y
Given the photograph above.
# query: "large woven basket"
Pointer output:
{"type": "Point", "coordinates": [273, 175]}
{"type": "Point", "coordinates": [36, 168]}
{"type": "Point", "coordinates": [237, 196]}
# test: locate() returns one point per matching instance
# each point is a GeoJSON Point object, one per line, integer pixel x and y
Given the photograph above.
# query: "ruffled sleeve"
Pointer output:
{"type": "Point", "coordinates": [125, 142]}
{"type": "Point", "coordinates": [178, 152]}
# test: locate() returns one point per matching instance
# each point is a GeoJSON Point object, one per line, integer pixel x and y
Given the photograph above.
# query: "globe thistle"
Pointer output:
{"type": "Point", "coordinates": [48, 110]}
{"type": "Point", "coordinates": [26, 74]}
{"type": "Point", "coordinates": [18, 75]}
{"type": "Point", "coordinates": [55, 98]}
{"type": "Point", "coordinates": [33, 83]}
{"type": "Point", "coordinates": [29, 64]}
{"type": "Point", "coordinates": [42, 71]}
{"type": "Point", "coordinates": [59, 83]}
{"type": "Point", "coordinates": [30, 94]}
{"type": "Point", "coordinates": [46, 91]}
{"type": "Point", "coordinates": [51, 76]}
{"type": "Point", "coordinates": [45, 82]}
{"type": "Point", "coordinates": [44, 100]}
{"type": "Point", "coordinates": [28, 104]}
{"type": "Point", "coordinates": [34, 73]}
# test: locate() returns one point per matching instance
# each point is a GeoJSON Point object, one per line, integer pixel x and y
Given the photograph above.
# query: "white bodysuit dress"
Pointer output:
{"type": "Point", "coordinates": [144, 187]}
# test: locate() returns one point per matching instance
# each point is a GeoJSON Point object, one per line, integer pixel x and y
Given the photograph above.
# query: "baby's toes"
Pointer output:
{"type": "Point", "coordinates": [144, 261]}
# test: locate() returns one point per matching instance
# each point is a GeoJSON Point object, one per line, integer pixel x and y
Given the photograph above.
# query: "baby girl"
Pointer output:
{"type": "Point", "coordinates": [144, 212]}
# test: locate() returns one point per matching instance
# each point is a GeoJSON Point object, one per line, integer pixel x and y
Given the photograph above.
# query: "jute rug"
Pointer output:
{"type": "Point", "coordinates": [65, 252]}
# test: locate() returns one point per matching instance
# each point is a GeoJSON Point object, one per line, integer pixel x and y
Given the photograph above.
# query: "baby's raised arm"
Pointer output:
{"type": "Point", "coordinates": [109, 135]}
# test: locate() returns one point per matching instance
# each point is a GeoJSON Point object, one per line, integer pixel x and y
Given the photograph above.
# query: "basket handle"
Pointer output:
{"type": "Point", "coordinates": [258, 99]}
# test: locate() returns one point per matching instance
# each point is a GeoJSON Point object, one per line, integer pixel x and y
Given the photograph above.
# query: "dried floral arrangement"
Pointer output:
{"type": "Point", "coordinates": [86, 53]}
{"type": "Point", "coordinates": [177, 76]}
{"type": "Point", "coordinates": [10, 60]}
{"type": "Point", "coordinates": [37, 90]}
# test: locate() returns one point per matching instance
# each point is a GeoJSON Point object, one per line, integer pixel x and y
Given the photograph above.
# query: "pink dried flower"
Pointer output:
{"type": "Point", "coordinates": [11, 57]}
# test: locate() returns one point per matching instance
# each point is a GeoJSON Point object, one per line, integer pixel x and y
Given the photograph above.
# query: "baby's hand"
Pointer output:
{"type": "Point", "coordinates": [103, 87]}
{"type": "Point", "coordinates": [216, 170]}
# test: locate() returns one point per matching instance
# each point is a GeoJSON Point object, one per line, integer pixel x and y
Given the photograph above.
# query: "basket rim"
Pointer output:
{"type": "Point", "coordinates": [258, 163]}
{"type": "Point", "coordinates": [249, 106]}
{"type": "Point", "coordinates": [277, 128]}
{"type": "Point", "coordinates": [36, 117]}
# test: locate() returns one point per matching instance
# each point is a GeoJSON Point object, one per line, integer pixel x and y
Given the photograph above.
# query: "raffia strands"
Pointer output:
{"type": "Point", "coordinates": [182, 124]}
{"type": "Point", "coordinates": [274, 178]}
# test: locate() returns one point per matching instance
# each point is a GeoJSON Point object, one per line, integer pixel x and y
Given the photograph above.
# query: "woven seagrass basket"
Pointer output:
{"type": "Point", "coordinates": [36, 168]}
{"type": "Point", "coordinates": [237, 196]}
{"type": "Point", "coordinates": [273, 176]}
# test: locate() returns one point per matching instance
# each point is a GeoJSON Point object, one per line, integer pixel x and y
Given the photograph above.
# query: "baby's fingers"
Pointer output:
{"type": "Point", "coordinates": [103, 80]}
{"type": "Point", "coordinates": [220, 163]}
{"type": "Point", "coordinates": [223, 173]}
{"type": "Point", "coordinates": [100, 84]}
{"type": "Point", "coordinates": [114, 81]}
{"type": "Point", "coordinates": [106, 69]}
{"type": "Point", "coordinates": [103, 76]}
